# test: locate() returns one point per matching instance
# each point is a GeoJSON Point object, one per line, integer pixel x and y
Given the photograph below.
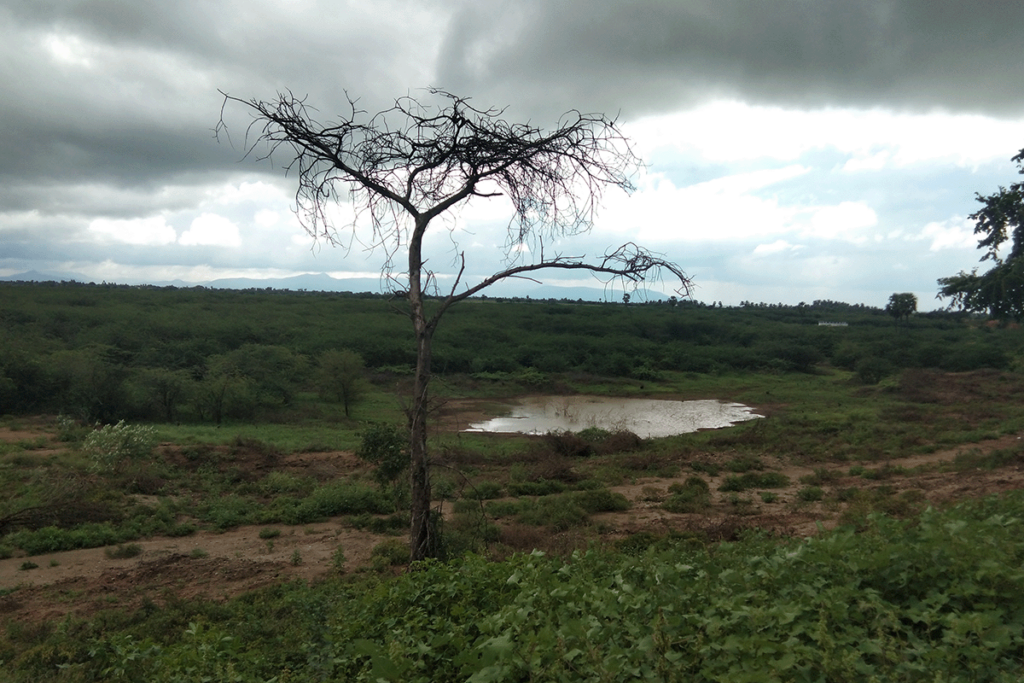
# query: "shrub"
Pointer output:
{"type": "Point", "coordinates": [558, 512]}
{"type": "Point", "coordinates": [568, 444]}
{"type": "Point", "coordinates": [692, 482]}
{"type": "Point", "coordinates": [694, 495]}
{"type": "Point", "coordinates": [391, 524]}
{"type": "Point", "coordinates": [384, 446]}
{"type": "Point", "coordinates": [390, 553]}
{"type": "Point", "coordinates": [708, 468]}
{"type": "Point", "coordinates": [330, 500]}
{"type": "Point", "coordinates": [601, 500]}
{"type": "Point", "coordinates": [872, 370]}
{"type": "Point", "coordinates": [821, 476]}
{"type": "Point", "coordinates": [772, 480]}
{"type": "Point", "coordinates": [485, 490]}
{"type": "Point", "coordinates": [544, 487]}
{"type": "Point", "coordinates": [754, 480]}
{"type": "Point", "coordinates": [111, 446]}
{"type": "Point", "coordinates": [338, 560]}
{"type": "Point", "coordinates": [123, 552]}
{"type": "Point", "coordinates": [744, 463]}
{"type": "Point", "coordinates": [687, 500]}
{"type": "Point", "coordinates": [70, 430]}
{"type": "Point", "coordinates": [810, 494]}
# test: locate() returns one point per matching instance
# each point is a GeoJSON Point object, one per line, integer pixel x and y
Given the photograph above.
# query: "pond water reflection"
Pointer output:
{"type": "Point", "coordinates": [645, 417]}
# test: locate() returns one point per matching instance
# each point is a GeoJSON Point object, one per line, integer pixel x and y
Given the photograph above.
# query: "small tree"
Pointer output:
{"type": "Point", "coordinates": [166, 389]}
{"type": "Point", "coordinates": [112, 446]}
{"type": "Point", "coordinates": [384, 447]}
{"type": "Point", "coordinates": [341, 377]}
{"type": "Point", "coordinates": [999, 291]}
{"type": "Point", "coordinates": [901, 307]}
{"type": "Point", "coordinates": [409, 164]}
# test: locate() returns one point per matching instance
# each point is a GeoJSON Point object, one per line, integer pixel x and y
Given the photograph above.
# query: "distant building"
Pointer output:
{"type": "Point", "coordinates": [828, 324]}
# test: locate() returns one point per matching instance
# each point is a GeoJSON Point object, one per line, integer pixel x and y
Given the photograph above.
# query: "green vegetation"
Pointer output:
{"type": "Point", "coordinates": [934, 597]}
{"type": "Point", "coordinates": [198, 356]}
{"type": "Point", "coordinates": [1000, 290]}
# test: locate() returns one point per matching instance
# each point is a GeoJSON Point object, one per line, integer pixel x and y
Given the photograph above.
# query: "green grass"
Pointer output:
{"type": "Point", "coordinates": [288, 438]}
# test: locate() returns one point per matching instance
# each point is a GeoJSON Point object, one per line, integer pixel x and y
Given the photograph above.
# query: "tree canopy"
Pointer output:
{"type": "Point", "coordinates": [1000, 290]}
{"type": "Point", "coordinates": [423, 158]}
{"type": "Point", "coordinates": [901, 306]}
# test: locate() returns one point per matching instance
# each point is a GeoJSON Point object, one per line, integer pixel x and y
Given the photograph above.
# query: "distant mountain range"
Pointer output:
{"type": "Point", "coordinates": [321, 282]}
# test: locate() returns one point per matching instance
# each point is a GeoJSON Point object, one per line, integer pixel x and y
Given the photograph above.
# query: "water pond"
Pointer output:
{"type": "Point", "coordinates": [644, 417]}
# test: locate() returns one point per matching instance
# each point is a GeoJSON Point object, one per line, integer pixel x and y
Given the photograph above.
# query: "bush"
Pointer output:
{"type": "Point", "coordinates": [390, 553]}
{"type": "Point", "coordinates": [485, 490]}
{"type": "Point", "coordinates": [557, 512]}
{"type": "Point", "coordinates": [384, 446]}
{"type": "Point", "coordinates": [694, 495]}
{"type": "Point", "coordinates": [872, 370]}
{"type": "Point", "coordinates": [544, 487]}
{"type": "Point", "coordinates": [754, 480]}
{"type": "Point", "coordinates": [810, 494]}
{"type": "Point", "coordinates": [123, 552]}
{"type": "Point", "coordinates": [111, 446]}
{"type": "Point", "coordinates": [601, 500]}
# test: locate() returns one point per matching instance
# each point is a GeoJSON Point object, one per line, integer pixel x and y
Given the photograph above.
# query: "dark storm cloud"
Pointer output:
{"type": "Point", "coordinates": [132, 99]}
{"type": "Point", "coordinates": [108, 107]}
{"type": "Point", "coordinates": [644, 57]}
{"type": "Point", "coordinates": [140, 107]}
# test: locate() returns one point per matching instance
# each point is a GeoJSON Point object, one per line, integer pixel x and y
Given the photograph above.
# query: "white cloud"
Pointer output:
{"type": "Point", "coordinates": [68, 50]}
{"type": "Point", "coordinates": [266, 218]}
{"type": "Point", "coordinates": [846, 221]}
{"type": "Point", "coordinates": [139, 231]}
{"type": "Point", "coordinates": [732, 132]}
{"type": "Point", "coordinates": [719, 209]}
{"type": "Point", "coordinates": [212, 230]}
{"type": "Point", "coordinates": [775, 247]}
{"type": "Point", "coordinates": [258, 192]}
{"type": "Point", "coordinates": [955, 233]}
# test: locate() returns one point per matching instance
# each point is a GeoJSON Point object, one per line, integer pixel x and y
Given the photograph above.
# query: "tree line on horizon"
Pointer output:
{"type": "Point", "coordinates": [108, 352]}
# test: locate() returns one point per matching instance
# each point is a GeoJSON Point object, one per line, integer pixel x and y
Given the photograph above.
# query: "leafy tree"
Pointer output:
{"type": "Point", "coordinates": [901, 306]}
{"type": "Point", "coordinates": [274, 370]}
{"type": "Point", "coordinates": [1000, 290]}
{"type": "Point", "coordinates": [165, 389]}
{"type": "Point", "coordinates": [89, 383]}
{"type": "Point", "coordinates": [222, 393]}
{"type": "Point", "coordinates": [418, 160]}
{"type": "Point", "coordinates": [341, 376]}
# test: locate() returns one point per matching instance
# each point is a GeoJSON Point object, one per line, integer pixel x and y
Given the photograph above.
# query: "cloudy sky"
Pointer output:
{"type": "Point", "coordinates": [795, 149]}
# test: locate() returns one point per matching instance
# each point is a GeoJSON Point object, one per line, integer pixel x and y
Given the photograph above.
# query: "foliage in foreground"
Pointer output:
{"type": "Point", "coordinates": [938, 598]}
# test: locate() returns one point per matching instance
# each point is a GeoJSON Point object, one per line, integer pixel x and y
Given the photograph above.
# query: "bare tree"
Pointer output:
{"type": "Point", "coordinates": [415, 161]}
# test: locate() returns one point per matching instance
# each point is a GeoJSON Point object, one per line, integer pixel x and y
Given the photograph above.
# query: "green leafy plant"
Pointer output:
{"type": "Point", "coordinates": [384, 446]}
{"type": "Point", "coordinates": [338, 559]}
